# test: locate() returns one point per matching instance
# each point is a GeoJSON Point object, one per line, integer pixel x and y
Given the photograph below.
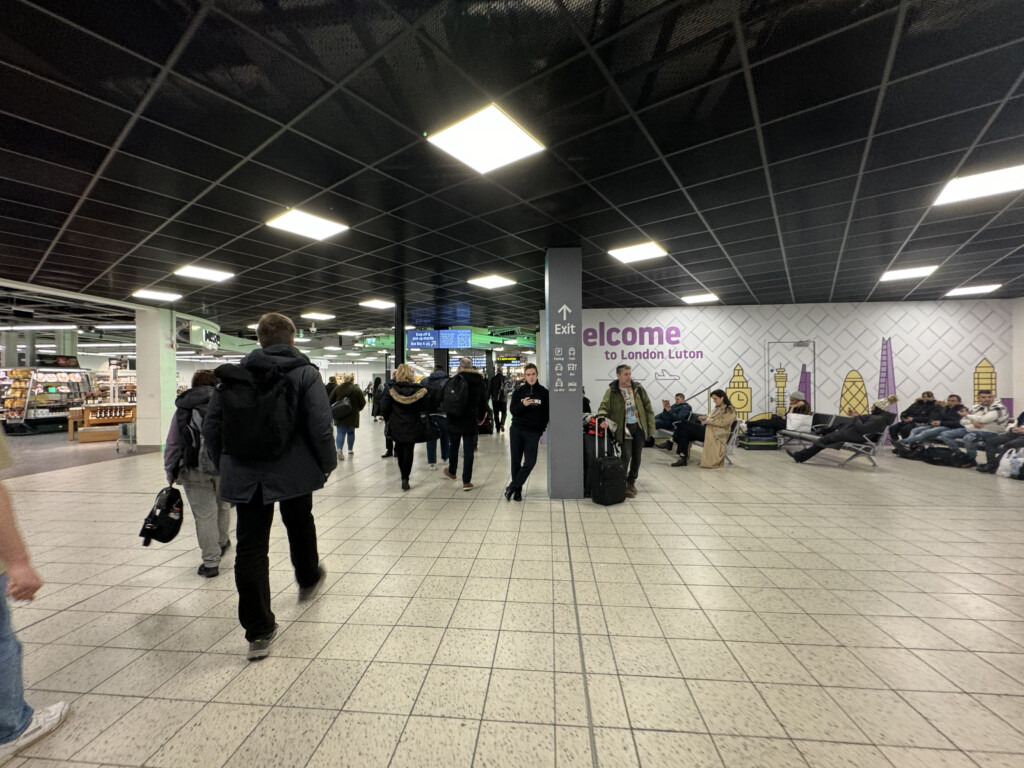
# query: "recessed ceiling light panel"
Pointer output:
{"type": "Point", "coordinates": [317, 316]}
{"type": "Point", "coordinates": [156, 295]}
{"type": "Point", "coordinates": [982, 185]}
{"type": "Point", "coordinates": [491, 281]}
{"type": "Point", "coordinates": [486, 140]}
{"type": "Point", "coordinates": [639, 252]}
{"type": "Point", "coordinates": [116, 327]}
{"type": "Point", "coordinates": [306, 224]}
{"type": "Point", "coordinates": [907, 274]}
{"type": "Point", "coordinates": [38, 328]}
{"type": "Point", "coordinates": [974, 290]}
{"type": "Point", "coordinates": [377, 304]}
{"type": "Point", "coordinates": [702, 298]}
{"type": "Point", "coordinates": [202, 273]}
{"type": "Point", "coordinates": [350, 333]}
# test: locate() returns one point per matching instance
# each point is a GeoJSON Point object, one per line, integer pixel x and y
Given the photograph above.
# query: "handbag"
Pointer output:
{"type": "Point", "coordinates": [341, 409]}
{"type": "Point", "coordinates": [798, 422]}
{"type": "Point", "coordinates": [428, 429]}
{"type": "Point", "coordinates": [164, 519]}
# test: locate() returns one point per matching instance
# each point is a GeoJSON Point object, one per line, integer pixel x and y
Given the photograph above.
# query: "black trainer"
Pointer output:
{"type": "Point", "coordinates": [260, 647]}
{"type": "Point", "coordinates": [308, 593]}
{"type": "Point", "coordinates": [508, 492]}
{"type": "Point", "coordinates": [207, 571]}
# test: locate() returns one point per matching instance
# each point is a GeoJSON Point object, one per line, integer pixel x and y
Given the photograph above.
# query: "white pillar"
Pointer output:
{"type": "Point", "coordinates": [67, 342]}
{"type": "Point", "coordinates": [156, 385]}
{"type": "Point", "coordinates": [1017, 383]}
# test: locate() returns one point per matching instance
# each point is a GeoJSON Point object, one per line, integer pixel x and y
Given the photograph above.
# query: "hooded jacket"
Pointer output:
{"type": "Point", "coordinates": [476, 405]}
{"type": "Point", "coordinates": [310, 456]}
{"type": "Point", "coordinates": [435, 388]}
{"type": "Point", "coordinates": [497, 387]}
{"type": "Point", "coordinates": [355, 395]}
{"type": "Point", "coordinates": [401, 406]}
{"type": "Point", "coordinates": [948, 416]}
{"type": "Point", "coordinates": [613, 406]}
{"type": "Point", "coordinates": [196, 399]}
{"type": "Point", "coordinates": [920, 411]}
{"type": "Point", "coordinates": [993, 418]}
{"type": "Point", "coordinates": [532, 418]}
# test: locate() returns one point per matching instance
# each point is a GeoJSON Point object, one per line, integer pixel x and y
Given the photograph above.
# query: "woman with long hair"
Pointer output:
{"type": "Point", "coordinates": [712, 430]}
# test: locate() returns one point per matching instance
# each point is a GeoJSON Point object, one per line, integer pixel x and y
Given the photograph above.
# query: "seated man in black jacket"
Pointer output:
{"type": "Point", "coordinates": [918, 414]}
{"type": "Point", "coordinates": [943, 418]}
{"type": "Point", "coordinates": [997, 445]}
{"type": "Point", "coordinates": [863, 429]}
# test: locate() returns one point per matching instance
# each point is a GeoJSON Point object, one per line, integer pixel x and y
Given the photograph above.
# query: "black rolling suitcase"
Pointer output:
{"type": "Point", "coordinates": [604, 475]}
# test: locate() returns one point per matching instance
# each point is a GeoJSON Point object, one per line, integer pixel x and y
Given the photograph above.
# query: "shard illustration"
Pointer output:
{"type": "Point", "coordinates": [887, 374]}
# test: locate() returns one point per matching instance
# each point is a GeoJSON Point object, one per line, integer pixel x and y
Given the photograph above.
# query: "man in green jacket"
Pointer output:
{"type": "Point", "coordinates": [627, 407]}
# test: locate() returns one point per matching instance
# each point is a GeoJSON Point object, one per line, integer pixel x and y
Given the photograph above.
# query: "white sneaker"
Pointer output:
{"type": "Point", "coordinates": [341, 455]}
{"type": "Point", "coordinates": [433, 466]}
{"type": "Point", "coordinates": [43, 722]}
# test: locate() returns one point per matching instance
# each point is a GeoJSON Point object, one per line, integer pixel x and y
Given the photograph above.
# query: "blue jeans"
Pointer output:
{"type": "Point", "coordinates": [15, 713]}
{"type": "Point", "coordinates": [442, 426]}
{"type": "Point", "coordinates": [920, 434]}
{"type": "Point", "coordinates": [968, 441]}
{"type": "Point", "coordinates": [339, 440]}
{"type": "Point", "coordinates": [469, 445]}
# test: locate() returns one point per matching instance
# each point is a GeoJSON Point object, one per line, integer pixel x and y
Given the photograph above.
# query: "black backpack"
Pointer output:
{"type": "Point", "coordinates": [942, 456]}
{"type": "Point", "coordinates": [259, 412]}
{"type": "Point", "coordinates": [456, 396]}
{"type": "Point", "coordinates": [164, 520]}
{"type": "Point", "coordinates": [914, 452]}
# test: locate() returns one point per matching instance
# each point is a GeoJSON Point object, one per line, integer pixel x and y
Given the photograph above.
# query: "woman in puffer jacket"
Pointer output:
{"type": "Point", "coordinates": [402, 406]}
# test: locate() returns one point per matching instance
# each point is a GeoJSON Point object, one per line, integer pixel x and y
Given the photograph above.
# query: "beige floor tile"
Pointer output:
{"type": "Point", "coordinates": [902, 670]}
{"type": "Point", "coordinates": [670, 750]}
{"type": "Point", "coordinates": [303, 639]}
{"type": "Point", "coordinates": [332, 609]}
{"type": "Point", "coordinates": [387, 688]}
{"type": "Point", "coordinates": [428, 612]}
{"type": "Point", "coordinates": [47, 660]}
{"type": "Point", "coordinates": [432, 742]}
{"type": "Point", "coordinates": [993, 760]}
{"type": "Point", "coordinates": [412, 645]}
{"type": "Point", "coordinates": [734, 709]}
{"type": "Point", "coordinates": [146, 673]}
{"type": "Point", "coordinates": [770, 663]}
{"type": "Point", "coordinates": [823, 754]}
{"type": "Point", "coordinates": [525, 650]}
{"type": "Point", "coordinates": [457, 692]}
{"type": "Point", "coordinates": [467, 647]}
{"type": "Point", "coordinates": [324, 684]}
{"type": "Point", "coordinates": [887, 719]}
{"type": "Point", "coordinates": [965, 722]}
{"type": "Point", "coordinates": [528, 617]}
{"type": "Point", "coordinates": [607, 706]}
{"type": "Point", "coordinates": [643, 656]}
{"type": "Point", "coordinates": [262, 682]}
{"type": "Point", "coordinates": [88, 717]}
{"type": "Point", "coordinates": [286, 736]}
{"type": "Point", "coordinates": [572, 748]}
{"type": "Point", "coordinates": [356, 642]}
{"type": "Point", "coordinates": [570, 700]}
{"type": "Point", "coordinates": [744, 626]}
{"type": "Point", "coordinates": [379, 610]}
{"type": "Point", "coordinates": [140, 733]}
{"type": "Point", "coordinates": [514, 745]}
{"type": "Point", "coordinates": [477, 614]}
{"type": "Point", "coordinates": [661, 704]}
{"type": "Point", "coordinates": [359, 740]}
{"type": "Point", "coordinates": [90, 670]}
{"type": "Point", "coordinates": [835, 666]}
{"type": "Point", "coordinates": [204, 678]}
{"type": "Point", "coordinates": [706, 659]}
{"type": "Point", "coordinates": [911, 757]}
{"type": "Point", "coordinates": [201, 635]}
{"type": "Point", "coordinates": [210, 737]}
{"type": "Point", "coordinates": [521, 696]}
{"type": "Point", "coordinates": [748, 752]}
{"type": "Point", "coordinates": [808, 713]}
{"type": "Point", "coordinates": [631, 621]}
{"type": "Point", "coordinates": [970, 672]}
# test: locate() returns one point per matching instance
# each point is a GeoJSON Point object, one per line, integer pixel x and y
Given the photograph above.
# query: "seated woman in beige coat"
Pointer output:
{"type": "Point", "coordinates": [713, 430]}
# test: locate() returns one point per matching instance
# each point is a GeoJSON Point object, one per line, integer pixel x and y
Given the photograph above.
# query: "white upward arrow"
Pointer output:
{"type": "Point", "coordinates": [564, 310]}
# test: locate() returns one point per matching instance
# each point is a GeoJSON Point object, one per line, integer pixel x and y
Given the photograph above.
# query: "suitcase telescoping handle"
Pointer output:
{"type": "Point", "coordinates": [597, 434]}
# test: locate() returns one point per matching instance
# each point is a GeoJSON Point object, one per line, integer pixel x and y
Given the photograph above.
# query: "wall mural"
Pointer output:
{"type": "Point", "coordinates": [908, 347]}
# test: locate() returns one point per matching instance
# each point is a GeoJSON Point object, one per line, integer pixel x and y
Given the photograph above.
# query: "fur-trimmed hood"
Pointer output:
{"type": "Point", "coordinates": [406, 392]}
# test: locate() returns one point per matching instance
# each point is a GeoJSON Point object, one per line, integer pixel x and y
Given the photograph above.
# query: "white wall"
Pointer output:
{"type": "Point", "coordinates": [935, 345]}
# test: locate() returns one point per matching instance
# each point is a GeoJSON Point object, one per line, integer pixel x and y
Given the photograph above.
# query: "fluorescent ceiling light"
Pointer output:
{"type": "Point", "coordinates": [982, 185]}
{"type": "Point", "coordinates": [125, 327]}
{"type": "Point", "coordinates": [353, 354]}
{"type": "Point", "coordinates": [639, 252]}
{"type": "Point", "coordinates": [202, 273]}
{"type": "Point", "coordinates": [253, 327]}
{"type": "Point", "coordinates": [410, 327]}
{"type": "Point", "coordinates": [906, 274]}
{"type": "Point", "coordinates": [330, 356]}
{"type": "Point", "coordinates": [486, 140]}
{"type": "Point", "coordinates": [377, 304]}
{"type": "Point", "coordinates": [302, 341]}
{"type": "Point", "coordinates": [106, 345]}
{"type": "Point", "coordinates": [350, 333]}
{"type": "Point", "coordinates": [157, 295]}
{"type": "Point", "coordinates": [317, 316]}
{"type": "Point", "coordinates": [39, 328]}
{"type": "Point", "coordinates": [305, 224]}
{"type": "Point", "coordinates": [512, 342]}
{"type": "Point", "coordinates": [333, 349]}
{"type": "Point", "coordinates": [974, 290]}
{"type": "Point", "coordinates": [491, 281]}
{"type": "Point", "coordinates": [703, 298]}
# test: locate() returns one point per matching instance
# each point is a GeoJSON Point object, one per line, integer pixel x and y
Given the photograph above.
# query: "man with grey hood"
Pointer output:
{"type": "Point", "coordinates": [295, 459]}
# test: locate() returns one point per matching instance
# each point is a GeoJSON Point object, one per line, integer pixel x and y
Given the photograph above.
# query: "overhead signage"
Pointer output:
{"type": "Point", "coordinates": [455, 338]}
{"type": "Point", "coordinates": [421, 339]}
{"type": "Point", "coordinates": [51, 360]}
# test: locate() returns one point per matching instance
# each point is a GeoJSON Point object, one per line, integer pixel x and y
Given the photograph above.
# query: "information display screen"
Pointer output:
{"type": "Point", "coordinates": [450, 339]}
{"type": "Point", "coordinates": [421, 339]}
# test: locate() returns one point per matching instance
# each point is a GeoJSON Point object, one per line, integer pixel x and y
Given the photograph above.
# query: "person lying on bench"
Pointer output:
{"type": "Point", "coordinates": [862, 430]}
{"type": "Point", "coordinates": [797, 404]}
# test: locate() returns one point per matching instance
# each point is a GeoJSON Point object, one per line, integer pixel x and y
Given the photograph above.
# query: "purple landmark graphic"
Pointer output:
{"type": "Point", "coordinates": [887, 374]}
{"type": "Point", "coordinates": [805, 384]}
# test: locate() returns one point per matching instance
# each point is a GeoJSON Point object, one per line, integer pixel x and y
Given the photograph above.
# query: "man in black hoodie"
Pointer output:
{"type": "Point", "coordinates": [463, 426]}
{"type": "Point", "coordinates": [529, 420]}
{"type": "Point", "coordinates": [498, 396]}
{"type": "Point", "coordinates": [306, 459]}
{"type": "Point", "coordinates": [943, 418]}
{"type": "Point", "coordinates": [918, 414]}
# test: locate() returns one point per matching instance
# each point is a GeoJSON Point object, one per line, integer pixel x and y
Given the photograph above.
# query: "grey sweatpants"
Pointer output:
{"type": "Point", "coordinates": [212, 515]}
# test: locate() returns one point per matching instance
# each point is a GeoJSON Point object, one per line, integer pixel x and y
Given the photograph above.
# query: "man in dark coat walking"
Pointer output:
{"type": "Point", "coordinates": [254, 485]}
{"type": "Point", "coordinates": [499, 396]}
{"type": "Point", "coordinates": [463, 427]}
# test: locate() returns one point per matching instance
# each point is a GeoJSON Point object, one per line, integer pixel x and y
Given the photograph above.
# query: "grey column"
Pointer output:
{"type": "Point", "coordinates": [30, 348]}
{"type": "Point", "coordinates": [9, 354]}
{"type": "Point", "coordinates": [399, 331]}
{"type": "Point", "coordinates": [563, 336]}
{"type": "Point", "coordinates": [67, 342]}
{"type": "Point", "coordinates": [441, 358]}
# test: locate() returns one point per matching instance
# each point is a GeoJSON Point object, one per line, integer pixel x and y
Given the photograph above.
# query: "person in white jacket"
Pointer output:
{"type": "Point", "coordinates": [988, 417]}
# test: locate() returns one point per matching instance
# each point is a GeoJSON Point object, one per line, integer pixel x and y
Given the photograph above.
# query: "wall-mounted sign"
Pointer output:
{"type": "Point", "coordinates": [51, 360]}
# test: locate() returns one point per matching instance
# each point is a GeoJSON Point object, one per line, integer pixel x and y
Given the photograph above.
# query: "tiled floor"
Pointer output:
{"type": "Point", "coordinates": [766, 614]}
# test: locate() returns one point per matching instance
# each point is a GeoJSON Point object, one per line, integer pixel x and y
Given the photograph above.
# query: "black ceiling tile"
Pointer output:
{"type": "Point", "coordinates": [429, 213]}
{"type": "Point", "coordinates": [571, 202]}
{"type": "Point", "coordinates": [377, 191]}
{"type": "Point", "coordinates": [606, 150]}
{"type": "Point", "coordinates": [66, 277]}
{"type": "Point", "coordinates": [12, 211]}
{"type": "Point", "coordinates": [516, 218]}
{"type": "Point", "coordinates": [838, 66]}
{"type": "Point", "coordinates": [828, 126]}
{"type": "Point", "coordinates": [52, 49]}
{"type": "Point", "coordinates": [427, 168]}
{"type": "Point", "coordinates": [230, 60]}
{"type": "Point", "coordinates": [433, 243]}
{"type": "Point", "coordinates": [160, 145]}
{"type": "Point", "coordinates": [471, 231]}
{"type": "Point", "coordinates": [391, 228]}
{"type": "Point", "coordinates": [936, 137]}
{"type": "Point", "coordinates": [534, 176]}
{"type": "Point", "coordinates": [754, 230]}
{"type": "Point", "coordinates": [241, 204]}
{"type": "Point", "coordinates": [872, 239]}
{"type": "Point", "coordinates": [255, 249]}
{"type": "Point", "coordinates": [643, 181]}
{"type": "Point", "coordinates": [727, 192]}
{"type": "Point", "coordinates": [40, 174]}
{"type": "Point", "coordinates": [507, 246]}
{"type": "Point", "coordinates": [333, 38]}
{"type": "Point", "coordinates": [1008, 123]}
{"type": "Point", "coordinates": [45, 144]}
{"type": "Point", "coordinates": [827, 233]}
{"type": "Point", "coordinates": [817, 217]}
{"type": "Point", "coordinates": [299, 156]}
{"type": "Point", "coordinates": [176, 246]}
{"type": "Point", "coordinates": [105, 244]}
{"type": "Point", "coordinates": [207, 237]}
{"type": "Point", "coordinates": [921, 173]}
{"type": "Point", "coordinates": [963, 85]}
{"type": "Point", "coordinates": [756, 245]}
{"type": "Point", "coordinates": [716, 159]}
{"type": "Point", "coordinates": [261, 181]}
{"type": "Point", "coordinates": [829, 164]}
{"type": "Point", "coordinates": [551, 236]}
{"type": "Point", "coordinates": [944, 30]}
{"type": "Point", "coordinates": [999, 230]}
{"type": "Point", "coordinates": [701, 116]}
{"type": "Point", "coordinates": [58, 202]}
{"type": "Point", "coordinates": [751, 210]}
{"type": "Point", "coordinates": [351, 127]}
{"type": "Point", "coordinates": [217, 221]}
{"type": "Point", "coordinates": [886, 221]}
{"type": "Point", "coordinates": [42, 231]}
{"type": "Point", "coordinates": [813, 250]}
{"type": "Point", "coordinates": [143, 174]}
{"type": "Point", "coordinates": [904, 200]}
{"type": "Point", "coordinates": [118, 216]}
{"type": "Point", "coordinates": [658, 208]}
{"type": "Point", "coordinates": [598, 223]}
{"type": "Point", "coordinates": [817, 196]}
{"type": "Point", "coordinates": [1005, 245]}
{"type": "Point", "coordinates": [964, 226]}
{"type": "Point", "coordinates": [127, 197]}
{"type": "Point", "coordinates": [994, 156]}
{"type": "Point", "coordinates": [565, 102]}
{"type": "Point", "coordinates": [677, 228]}
{"type": "Point", "coordinates": [477, 195]}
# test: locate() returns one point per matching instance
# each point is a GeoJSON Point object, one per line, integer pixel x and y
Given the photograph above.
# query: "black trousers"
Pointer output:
{"type": "Point", "coordinates": [469, 441]}
{"type": "Point", "coordinates": [404, 451]}
{"type": "Point", "coordinates": [500, 408]}
{"type": "Point", "coordinates": [523, 448]}
{"type": "Point", "coordinates": [686, 432]}
{"type": "Point", "coordinates": [252, 563]}
{"type": "Point", "coordinates": [902, 429]}
{"type": "Point", "coordinates": [998, 445]}
{"type": "Point", "coordinates": [632, 450]}
{"type": "Point", "coordinates": [833, 439]}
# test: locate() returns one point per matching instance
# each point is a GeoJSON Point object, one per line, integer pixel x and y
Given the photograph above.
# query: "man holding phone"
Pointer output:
{"type": "Point", "coordinates": [529, 420]}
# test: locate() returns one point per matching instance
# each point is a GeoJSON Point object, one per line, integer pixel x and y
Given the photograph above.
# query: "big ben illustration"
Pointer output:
{"type": "Point", "coordinates": [739, 392]}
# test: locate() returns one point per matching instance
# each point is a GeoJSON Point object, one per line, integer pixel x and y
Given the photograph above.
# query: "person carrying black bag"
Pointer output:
{"type": "Point", "coordinates": [498, 395]}
{"type": "Point", "coordinates": [405, 406]}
